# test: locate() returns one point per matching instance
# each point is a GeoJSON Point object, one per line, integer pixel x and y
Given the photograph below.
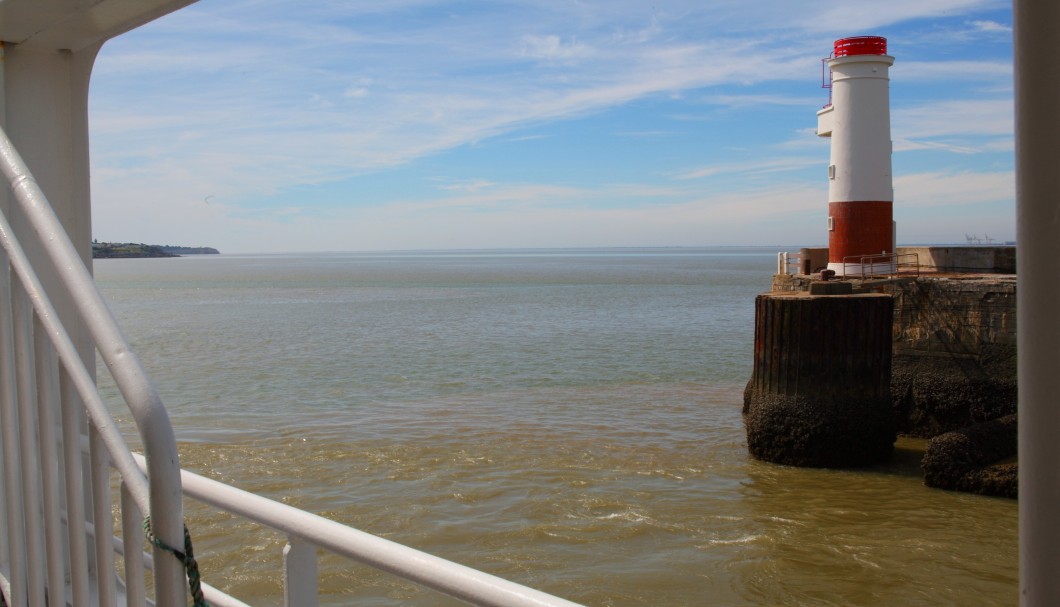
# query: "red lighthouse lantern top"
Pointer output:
{"type": "Point", "coordinates": [860, 45]}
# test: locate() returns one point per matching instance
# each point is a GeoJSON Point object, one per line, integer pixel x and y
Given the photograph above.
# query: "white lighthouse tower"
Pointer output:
{"type": "Point", "coordinates": [860, 194]}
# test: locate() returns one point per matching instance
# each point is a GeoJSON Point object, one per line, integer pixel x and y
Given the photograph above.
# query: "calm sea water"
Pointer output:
{"type": "Point", "coordinates": [567, 419]}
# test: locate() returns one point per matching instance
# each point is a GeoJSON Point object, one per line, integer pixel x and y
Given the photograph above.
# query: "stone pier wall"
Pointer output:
{"type": "Point", "coordinates": [953, 375]}
{"type": "Point", "coordinates": [954, 352]}
{"type": "Point", "coordinates": [980, 259]}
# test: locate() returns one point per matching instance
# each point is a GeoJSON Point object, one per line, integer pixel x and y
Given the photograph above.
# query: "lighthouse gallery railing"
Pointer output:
{"type": "Point", "coordinates": [60, 444]}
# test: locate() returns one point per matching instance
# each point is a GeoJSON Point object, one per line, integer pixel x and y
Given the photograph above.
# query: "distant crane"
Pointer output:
{"type": "Point", "coordinates": [976, 239]}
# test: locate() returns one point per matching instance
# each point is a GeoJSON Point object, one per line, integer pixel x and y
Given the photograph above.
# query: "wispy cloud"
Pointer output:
{"type": "Point", "coordinates": [752, 168]}
{"type": "Point", "coordinates": [862, 15]}
{"type": "Point", "coordinates": [467, 186]}
{"type": "Point", "coordinates": [645, 134]}
{"type": "Point", "coordinates": [256, 101]}
{"type": "Point", "coordinates": [764, 100]}
{"type": "Point", "coordinates": [949, 71]}
{"type": "Point", "coordinates": [552, 48]}
{"type": "Point", "coordinates": [991, 26]}
{"type": "Point", "coordinates": [906, 145]}
{"type": "Point", "coordinates": [955, 118]}
{"type": "Point", "coordinates": [937, 189]}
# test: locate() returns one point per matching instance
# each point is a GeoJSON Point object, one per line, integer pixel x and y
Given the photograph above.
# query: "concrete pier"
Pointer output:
{"type": "Point", "coordinates": [953, 349]}
{"type": "Point", "coordinates": [953, 359]}
{"type": "Point", "coordinates": [820, 392]}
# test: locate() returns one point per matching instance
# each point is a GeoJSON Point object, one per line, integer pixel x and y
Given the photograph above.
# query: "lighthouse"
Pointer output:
{"type": "Point", "coordinates": [858, 121]}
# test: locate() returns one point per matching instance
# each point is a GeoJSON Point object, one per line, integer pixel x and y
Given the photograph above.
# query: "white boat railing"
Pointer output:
{"type": "Point", "coordinates": [60, 444]}
{"type": "Point", "coordinates": [307, 532]}
{"type": "Point", "coordinates": [52, 490]}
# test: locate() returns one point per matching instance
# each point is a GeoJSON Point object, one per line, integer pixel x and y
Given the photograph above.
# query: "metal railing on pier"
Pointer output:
{"type": "Point", "coordinates": [854, 266]}
{"type": "Point", "coordinates": [60, 445]}
{"type": "Point", "coordinates": [881, 264]}
{"type": "Point", "coordinates": [786, 260]}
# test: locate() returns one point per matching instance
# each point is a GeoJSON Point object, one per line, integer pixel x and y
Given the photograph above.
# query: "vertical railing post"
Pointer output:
{"type": "Point", "coordinates": [47, 405]}
{"type": "Point", "coordinates": [102, 519]}
{"type": "Point", "coordinates": [22, 317]}
{"type": "Point", "coordinates": [73, 468]}
{"type": "Point", "coordinates": [299, 573]}
{"type": "Point", "coordinates": [15, 538]}
{"type": "Point", "coordinates": [132, 541]}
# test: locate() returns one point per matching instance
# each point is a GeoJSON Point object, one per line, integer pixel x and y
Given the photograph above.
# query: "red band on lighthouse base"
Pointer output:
{"type": "Point", "coordinates": [859, 229]}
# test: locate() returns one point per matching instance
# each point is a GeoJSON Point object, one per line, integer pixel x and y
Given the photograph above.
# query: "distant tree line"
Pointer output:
{"type": "Point", "coordinates": [110, 250]}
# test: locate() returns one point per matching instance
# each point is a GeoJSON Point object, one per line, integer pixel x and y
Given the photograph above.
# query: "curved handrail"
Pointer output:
{"type": "Point", "coordinates": [458, 581]}
{"type": "Point", "coordinates": [160, 492]}
{"type": "Point", "coordinates": [163, 477]}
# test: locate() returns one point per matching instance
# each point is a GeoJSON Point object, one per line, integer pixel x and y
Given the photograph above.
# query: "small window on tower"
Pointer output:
{"type": "Point", "coordinates": [831, 224]}
{"type": "Point", "coordinates": [831, 171]}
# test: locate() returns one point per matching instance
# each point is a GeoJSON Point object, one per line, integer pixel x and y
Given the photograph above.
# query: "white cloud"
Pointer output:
{"type": "Point", "coordinates": [242, 100]}
{"type": "Point", "coordinates": [906, 145]}
{"type": "Point", "coordinates": [647, 134]}
{"type": "Point", "coordinates": [865, 15]}
{"type": "Point", "coordinates": [709, 220]}
{"type": "Point", "coordinates": [752, 168]}
{"type": "Point", "coordinates": [991, 27]}
{"type": "Point", "coordinates": [937, 189]}
{"type": "Point", "coordinates": [359, 90]}
{"type": "Point", "coordinates": [949, 71]}
{"type": "Point", "coordinates": [954, 118]}
{"type": "Point", "coordinates": [552, 48]}
{"type": "Point", "coordinates": [527, 215]}
{"type": "Point", "coordinates": [467, 186]}
{"type": "Point", "coordinates": [763, 100]}
{"type": "Point", "coordinates": [285, 73]}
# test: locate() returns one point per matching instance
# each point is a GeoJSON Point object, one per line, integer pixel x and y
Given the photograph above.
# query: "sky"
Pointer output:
{"type": "Point", "coordinates": [345, 125]}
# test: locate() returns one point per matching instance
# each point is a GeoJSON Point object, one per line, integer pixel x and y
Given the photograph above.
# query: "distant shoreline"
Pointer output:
{"type": "Point", "coordinates": [126, 250]}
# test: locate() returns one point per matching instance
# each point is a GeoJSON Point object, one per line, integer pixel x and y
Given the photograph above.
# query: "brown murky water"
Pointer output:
{"type": "Point", "coordinates": [568, 421]}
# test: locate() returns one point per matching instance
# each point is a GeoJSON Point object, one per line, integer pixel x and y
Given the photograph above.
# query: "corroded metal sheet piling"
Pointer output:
{"type": "Point", "coordinates": [820, 391]}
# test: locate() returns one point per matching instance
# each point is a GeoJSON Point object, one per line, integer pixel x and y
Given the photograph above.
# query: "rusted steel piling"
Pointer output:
{"type": "Point", "coordinates": [820, 391]}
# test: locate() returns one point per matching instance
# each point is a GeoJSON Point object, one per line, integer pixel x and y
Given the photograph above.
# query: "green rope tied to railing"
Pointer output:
{"type": "Point", "coordinates": [187, 558]}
